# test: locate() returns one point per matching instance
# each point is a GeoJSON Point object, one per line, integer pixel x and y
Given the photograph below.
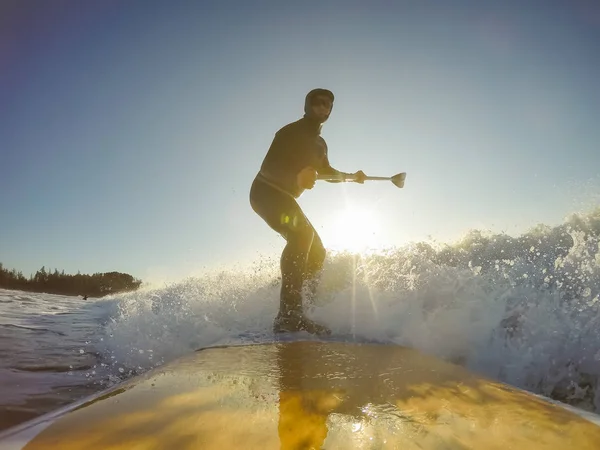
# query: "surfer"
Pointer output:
{"type": "Point", "coordinates": [296, 156]}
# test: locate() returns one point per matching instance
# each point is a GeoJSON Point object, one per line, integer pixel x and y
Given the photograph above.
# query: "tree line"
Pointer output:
{"type": "Point", "coordinates": [55, 282]}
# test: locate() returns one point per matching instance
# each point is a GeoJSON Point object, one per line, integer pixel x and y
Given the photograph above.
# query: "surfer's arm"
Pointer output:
{"type": "Point", "coordinates": [336, 175]}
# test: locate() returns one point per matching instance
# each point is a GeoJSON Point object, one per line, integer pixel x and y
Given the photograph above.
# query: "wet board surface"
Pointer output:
{"type": "Point", "coordinates": [310, 394]}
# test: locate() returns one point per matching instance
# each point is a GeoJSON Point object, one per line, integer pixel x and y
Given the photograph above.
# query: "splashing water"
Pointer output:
{"type": "Point", "coordinates": [522, 310]}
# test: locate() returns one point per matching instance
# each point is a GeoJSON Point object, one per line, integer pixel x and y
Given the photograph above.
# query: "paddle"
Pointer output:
{"type": "Point", "coordinates": [397, 179]}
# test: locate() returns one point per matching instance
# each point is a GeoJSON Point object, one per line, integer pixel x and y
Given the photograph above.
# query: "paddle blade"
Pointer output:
{"type": "Point", "coordinates": [398, 180]}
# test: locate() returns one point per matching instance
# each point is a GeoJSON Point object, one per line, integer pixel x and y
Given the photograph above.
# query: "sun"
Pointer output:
{"type": "Point", "coordinates": [353, 229]}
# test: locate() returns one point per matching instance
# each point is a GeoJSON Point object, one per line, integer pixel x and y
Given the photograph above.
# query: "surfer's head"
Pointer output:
{"type": "Point", "coordinates": [318, 105]}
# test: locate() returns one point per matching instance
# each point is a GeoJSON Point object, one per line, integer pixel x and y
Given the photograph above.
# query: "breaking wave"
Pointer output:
{"type": "Point", "coordinates": [524, 310]}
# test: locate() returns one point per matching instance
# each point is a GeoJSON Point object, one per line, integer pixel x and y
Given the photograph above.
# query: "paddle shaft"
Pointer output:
{"type": "Point", "coordinates": [397, 179]}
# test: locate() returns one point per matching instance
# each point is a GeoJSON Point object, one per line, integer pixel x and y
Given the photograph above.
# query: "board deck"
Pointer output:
{"type": "Point", "coordinates": [310, 394]}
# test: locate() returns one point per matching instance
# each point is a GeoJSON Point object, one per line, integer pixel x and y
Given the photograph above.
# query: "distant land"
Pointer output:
{"type": "Point", "coordinates": [55, 282]}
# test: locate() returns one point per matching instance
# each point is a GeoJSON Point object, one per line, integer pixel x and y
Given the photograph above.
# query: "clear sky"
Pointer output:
{"type": "Point", "coordinates": [130, 131]}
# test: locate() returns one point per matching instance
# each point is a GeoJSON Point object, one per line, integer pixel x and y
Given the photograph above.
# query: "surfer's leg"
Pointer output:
{"type": "Point", "coordinates": [283, 214]}
{"type": "Point", "coordinates": [295, 265]}
{"type": "Point", "coordinates": [294, 260]}
{"type": "Point", "coordinates": [314, 266]}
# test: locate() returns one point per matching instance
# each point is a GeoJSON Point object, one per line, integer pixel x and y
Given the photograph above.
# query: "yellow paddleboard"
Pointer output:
{"type": "Point", "coordinates": [309, 395]}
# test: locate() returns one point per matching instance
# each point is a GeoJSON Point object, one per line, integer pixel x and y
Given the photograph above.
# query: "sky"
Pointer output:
{"type": "Point", "coordinates": [130, 132]}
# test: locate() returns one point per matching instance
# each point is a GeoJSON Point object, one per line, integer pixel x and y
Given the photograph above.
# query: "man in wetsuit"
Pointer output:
{"type": "Point", "coordinates": [297, 154]}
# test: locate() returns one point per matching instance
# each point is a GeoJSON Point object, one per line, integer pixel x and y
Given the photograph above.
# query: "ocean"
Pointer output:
{"type": "Point", "coordinates": [523, 310]}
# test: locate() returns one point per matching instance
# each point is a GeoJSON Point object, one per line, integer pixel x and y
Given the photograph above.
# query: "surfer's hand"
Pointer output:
{"type": "Point", "coordinates": [306, 178]}
{"type": "Point", "coordinates": [359, 177]}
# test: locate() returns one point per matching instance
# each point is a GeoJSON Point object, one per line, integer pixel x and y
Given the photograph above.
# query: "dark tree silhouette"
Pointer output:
{"type": "Point", "coordinates": [55, 282]}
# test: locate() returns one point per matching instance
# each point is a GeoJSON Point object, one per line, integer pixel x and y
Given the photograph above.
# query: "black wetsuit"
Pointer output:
{"type": "Point", "coordinates": [273, 194]}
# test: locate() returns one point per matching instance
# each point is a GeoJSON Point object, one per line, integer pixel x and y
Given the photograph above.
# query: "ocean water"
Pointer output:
{"type": "Point", "coordinates": [524, 310]}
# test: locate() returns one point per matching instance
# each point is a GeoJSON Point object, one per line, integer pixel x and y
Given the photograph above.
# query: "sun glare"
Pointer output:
{"type": "Point", "coordinates": [354, 230]}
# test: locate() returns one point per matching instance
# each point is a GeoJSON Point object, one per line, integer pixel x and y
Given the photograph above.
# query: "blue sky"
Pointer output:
{"type": "Point", "coordinates": [130, 132]}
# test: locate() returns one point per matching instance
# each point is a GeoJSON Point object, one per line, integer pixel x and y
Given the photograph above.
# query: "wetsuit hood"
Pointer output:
{"type": "Point", "coordinates": [309, 97]}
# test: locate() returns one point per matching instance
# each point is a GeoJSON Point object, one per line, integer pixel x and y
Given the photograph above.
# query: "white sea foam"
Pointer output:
{"type": "Point", "coordinates": [524, 310]}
